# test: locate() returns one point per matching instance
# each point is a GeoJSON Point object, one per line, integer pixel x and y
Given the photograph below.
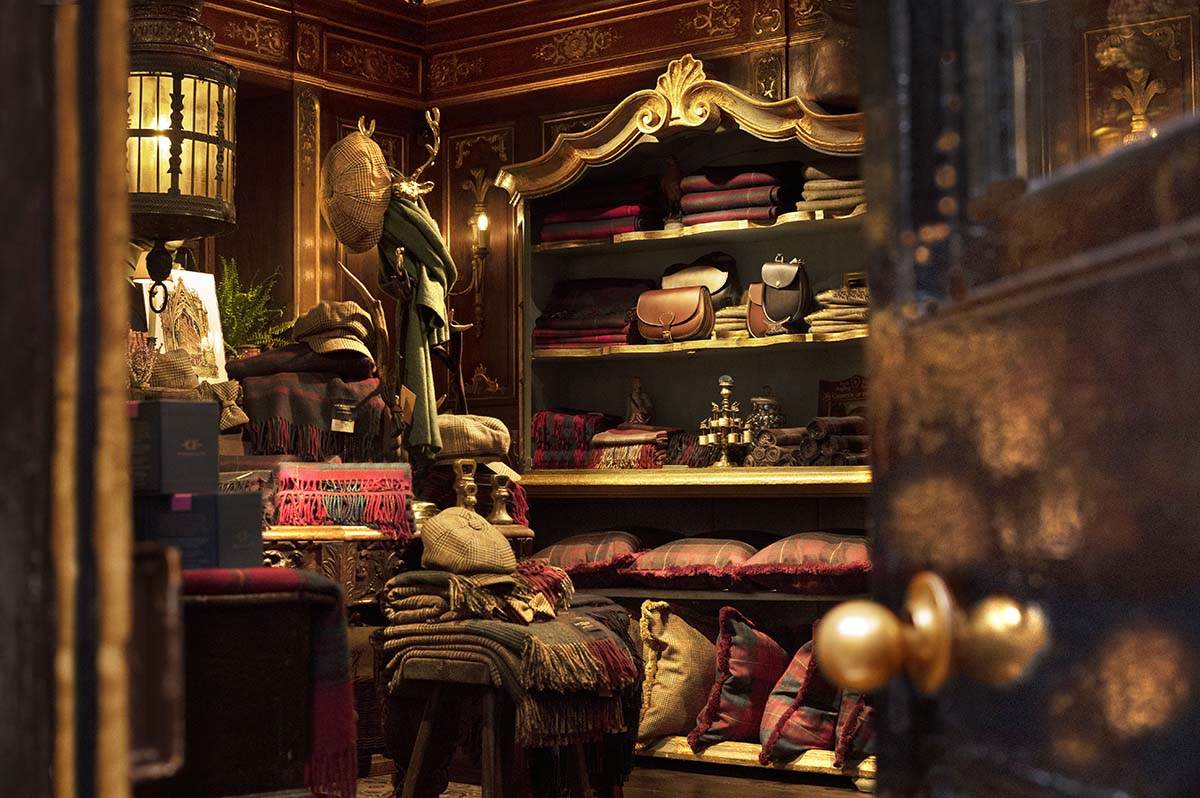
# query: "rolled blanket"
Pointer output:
{"type": "Point", "coordinates": [771, 454]}
{"type": "Point", "coordinates": [846, 443]}
{"type": "Point", "coordinates": [763, 215]}
{"type": "Point", "coordinates": [832, 169]}
{"type": "Point", "coordinates": [783, 436]}
{"type": "Point", "coordinates": [822, 427]}
{"type": "Point", "coordinates": [838, 313]}
{"type": "Point", "coordinates": [601, 228]}
{"type": "Point", "coordinates": [704, 201]}
{"type": "Point", "coordinates": [849, 459]}
{"type": "Point", "coordinates": [852, 297]}
{"type": "Point", "coordinates": [349, 366]}
{"type": "Point", "coordinates": [808, 449]}
{"type": "Point", "coordinates": [843, 204]}
{"type": "Point", "coordinates": [593, 214]}
{"type": "Point", "coordinates": [833, 185]}
{"type": "Point", "coordinates": [737, 177]}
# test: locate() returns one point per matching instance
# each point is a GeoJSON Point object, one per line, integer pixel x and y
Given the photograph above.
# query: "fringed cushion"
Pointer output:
{"type": "Point", "coordinates": [855, 729]}
{"type": "Point", "coordinates": [691, 563]}
{"type": "Point", "coordinates": [801, 713]}
{"type": "Point", "coordinates": [811, 562]}
{"type": "Point", "coordinates": [593, 558]}
{"type": "Point", "coordinates": [749, 664]}
{"type": "Point", "coordinates": [680, 665]}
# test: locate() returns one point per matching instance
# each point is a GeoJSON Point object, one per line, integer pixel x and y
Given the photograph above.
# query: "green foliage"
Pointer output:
{"type": "Point", "coordinates": [247, 316]}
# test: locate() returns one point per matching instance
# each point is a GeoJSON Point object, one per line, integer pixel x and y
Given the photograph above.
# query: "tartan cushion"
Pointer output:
{"type": "Point", "coordinates": [691, 563]}
{"type": "Point", "coordinates": [855, 729]}
{"type": "Point", "coordinates": [680, 665]}
{"type": "Point", "coordinates": [811, 562]}
{"type": "Point", "coordinates": [594, 558]}
{"type": "Point", "coordinates": [801, 712]}
{"type": "Point", "coordinates": [749, 664]}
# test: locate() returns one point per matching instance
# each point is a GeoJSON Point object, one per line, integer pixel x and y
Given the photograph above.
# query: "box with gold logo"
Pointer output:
{"type": "Point", "coordinates": [175, 446]}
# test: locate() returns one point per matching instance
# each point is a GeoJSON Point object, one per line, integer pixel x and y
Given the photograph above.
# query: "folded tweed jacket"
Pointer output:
{"type": "Point", "coordinates": [854, 297]}
{"type": "Point", "coordinates": [292, 413]}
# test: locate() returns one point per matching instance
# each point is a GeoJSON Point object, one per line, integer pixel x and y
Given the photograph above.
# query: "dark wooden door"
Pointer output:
{"type": "Point", "coordinates": [1035, 357]}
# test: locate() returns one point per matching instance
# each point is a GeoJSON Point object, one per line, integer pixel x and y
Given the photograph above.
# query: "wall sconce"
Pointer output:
{"type": "Point", "coordinates": [480, 226]}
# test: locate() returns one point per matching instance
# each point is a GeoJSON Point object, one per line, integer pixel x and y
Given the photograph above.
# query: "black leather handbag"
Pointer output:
{"type": "Point", "coordinates": [787, 294]}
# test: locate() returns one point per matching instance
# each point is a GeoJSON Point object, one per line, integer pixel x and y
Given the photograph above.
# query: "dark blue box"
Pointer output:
{"type": "Point", "coordinates": [219, 530]}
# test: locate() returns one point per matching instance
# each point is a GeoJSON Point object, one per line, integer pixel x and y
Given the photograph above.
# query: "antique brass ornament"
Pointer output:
{"type": "Point", "coordinates": [464, 484]}
{"type": "Point", "coordinates": [411, 187]}
{"type": "Point", "coordinates": [861, 645]}
{"type": "Point", "coordinates": [480, 226]}
{"type": "Point", "coordinates": [501, 489]}
{"type": "Point", "coordinates": [723, 428]}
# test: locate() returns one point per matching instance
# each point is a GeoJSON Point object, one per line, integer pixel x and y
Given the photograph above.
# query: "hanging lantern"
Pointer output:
{"type": "Point", "coordinates": [181, 144]}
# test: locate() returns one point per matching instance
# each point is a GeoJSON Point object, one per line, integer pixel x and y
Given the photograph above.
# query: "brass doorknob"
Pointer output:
{"type": "Point", "coordinates": [860, 645]}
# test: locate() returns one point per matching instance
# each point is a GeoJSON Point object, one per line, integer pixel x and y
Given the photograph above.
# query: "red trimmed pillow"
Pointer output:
{"type": "Point", "coordinates": [749, 664]}
{"type": "Point", "coordinates": [855, 729]}
{"type": "Point", "coordinates": [592, 559]}
{"type": "Point", "coordinates": [802, 712]}
{"type": "Point", "coordinates": [811, 562]}
{"type": "Point", "coordinates": [691, 563]}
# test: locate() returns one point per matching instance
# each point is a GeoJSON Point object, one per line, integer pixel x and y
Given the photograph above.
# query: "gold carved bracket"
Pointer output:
{"type": "Point", "coordinates": [683, 99]}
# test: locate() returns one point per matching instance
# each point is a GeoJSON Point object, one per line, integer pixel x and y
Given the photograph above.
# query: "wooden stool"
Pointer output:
{"type": "Point", "coordinates": [445, 674]}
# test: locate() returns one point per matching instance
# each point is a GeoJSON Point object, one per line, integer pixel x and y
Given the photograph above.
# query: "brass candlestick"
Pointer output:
{"type": "Point", "coordinates": [724, 428]}
{"type": "Point", "coordinates": [464, 484]}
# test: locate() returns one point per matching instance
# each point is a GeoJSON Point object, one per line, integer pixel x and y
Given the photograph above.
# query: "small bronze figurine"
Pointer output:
{"type": "Point", "coordinates": [639, 408]}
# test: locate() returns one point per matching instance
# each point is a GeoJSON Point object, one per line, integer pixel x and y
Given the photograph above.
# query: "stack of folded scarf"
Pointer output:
{"type": "Point", "coordinates": [728, 194]}
{"type": "Point", "coordinates": [588, 313]}
{"type": "Point", "coordinates": [834, 187]}
{"type": "Point", "coordinates": [630, 446]}
{"type": "Point", "coordinates": [842, 310]}
{"type": "Point", "coordinates": [376, 495]}
{"type": "Point", "coordinates": [731, 322]}
{"type": "Point", "coordinates": [562, 439]}
{"type": "Point", "coordinates": [537, 591]}
{"type": "Point", "coordinates": [684, 449]}
{"type": "Point", "coordinates": [603, 212]}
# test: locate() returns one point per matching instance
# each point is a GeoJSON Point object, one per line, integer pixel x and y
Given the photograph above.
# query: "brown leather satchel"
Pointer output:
{"type": "Point", "coordinates": [827, 64]}
{"type": "Point", "coordinates": [756, 317]}
{"type": "Point", "coordinates": [675, 314]}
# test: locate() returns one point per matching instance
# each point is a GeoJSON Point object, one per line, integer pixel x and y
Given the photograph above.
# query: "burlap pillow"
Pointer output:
{"type": "Point", "coordinates": [680, 665]}
{"type": "Point", "coordinates": [355, 190]}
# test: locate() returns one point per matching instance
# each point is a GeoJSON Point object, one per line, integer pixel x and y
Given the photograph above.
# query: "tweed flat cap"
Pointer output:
{"type": "Point", "coordinates": [463, 542]}
{"type": "Point", "coordinates": [334, 327]}
{"type": "Point", "coordinates": [174, 369]}
{"type": "Point", "coordinates": [480, 437]}
{"type": "Point", "coordinates": [355, 190]}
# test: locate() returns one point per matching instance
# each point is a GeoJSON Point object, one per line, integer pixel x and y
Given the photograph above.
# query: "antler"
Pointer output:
{"type": "Point", "coordinates": [411, 187]}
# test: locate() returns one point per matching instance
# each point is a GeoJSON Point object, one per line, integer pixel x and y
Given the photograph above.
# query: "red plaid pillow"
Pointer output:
{"type": "Point", "coordinates": [749, 663]}
{"type": "Point", "coordinates": [855, 729]}
{"type": "Point", "coordinates": [801, 713]}
{"type": "Point", "coordinates": [691, 563]}
{"type": "Point", "coordinates": [594, 558]}
{"type": "Point", "coordinates": [811, 562]}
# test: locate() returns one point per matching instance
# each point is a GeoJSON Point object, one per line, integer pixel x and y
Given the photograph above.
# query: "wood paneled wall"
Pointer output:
{"type": "Point", "coordinates": [509, 76]}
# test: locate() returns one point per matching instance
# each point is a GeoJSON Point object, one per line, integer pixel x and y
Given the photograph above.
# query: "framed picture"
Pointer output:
{"type": "Point", "coordinates": [190, 322]}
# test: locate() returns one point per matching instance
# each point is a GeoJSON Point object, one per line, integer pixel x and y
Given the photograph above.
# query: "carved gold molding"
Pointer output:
{"type": "Point", "coordinates": [714, 18]}
{"type": "Point", "coordinates": [683, 99]}
{"type": "Point", "coordinates": [576, 45]}
{"type": "Point", "coordinates": [374, 64]}
{"type": "Point", "coordinates": [308, 46]}
{"type": "Point", "coordinates": [445, 71]}
{"type": "Point", "coordinates": [306, 126]}
{"type": "Point", "coordinates": [573, 122]}
{"type": "Point", "coordinates": [768, 76]}
{"type": "Point", "coordinates": [768, 17]}
{"type": "Point", "coordinates": [497, 140]}
{"type": "Point", "coordinates": [258, 35]}
{"type": "Point", "coordinates": [481, 384]}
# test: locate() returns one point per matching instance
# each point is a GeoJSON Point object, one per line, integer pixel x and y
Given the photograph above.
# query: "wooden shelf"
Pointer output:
{"type": "Point", "coordinates": [622, 351]}
{"type": "Point", "coordinates": [698, 482]}
{"type": "Point", "coordinates": [791, 224]}
{"type": "Point", "coordinates": [328, 533]}
{"type": "Point", "coordinates": [647, 592]}
{"type": "Point", "coordinates": [746, 755]}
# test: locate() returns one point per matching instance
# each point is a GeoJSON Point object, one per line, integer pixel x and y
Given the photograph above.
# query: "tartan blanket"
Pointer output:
{"type": "Point", "coordinates": [599, 228]}
{"type": "Point", "coordinates": [573, 679]}
{"type": "Point", "coordinates": [562, 439]}
{"type": "Point", "coordinates": [731, 177]}
{"type": "Point", "coordinates": [331, 767]}
{"type": "Point", "coordinates": [293, 412]}
{"type": "Point", "coordinates": [765, 196]}
{"type": "Point", "coordinates": [323, 494]}
{"type": "Point", "coordinates": [759, 214]}
{"type": "Point", "coordinates": [349, 366]}
{"type": "Point", "coordinates": [592, 214]}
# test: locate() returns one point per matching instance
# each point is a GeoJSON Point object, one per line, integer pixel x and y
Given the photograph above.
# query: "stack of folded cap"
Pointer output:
{"type": "Point", "coordinates": [318, 398]}
{"type": "Point", "coordinates": [630, 446]}
{"type": "Point", "coordinates": [731, 321]}
{"type": "Point", "coordinates": [588, 313]}
{"type": "Point", "coordinates": [603, 212]}
{"type": "Point", "coordinates": [834, 187]}
{"type": "Point", "coordinates": [842, 310]}
{"type": "Point", "coordinates": [737, 193]}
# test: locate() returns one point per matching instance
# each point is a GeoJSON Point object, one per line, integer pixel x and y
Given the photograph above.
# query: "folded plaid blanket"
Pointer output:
{"type": "Point", "coordinates": [766, 196]}
{"type": "Point", "coordinates": [331, 768]}
{"type": "Point", "coordinates": [843, 204]}
{"type": "Point", "coordinates": [842, 313]}
{"type": "Point", "coordinates": [724, 178]}
{"type": "Point", "coordinates": [763, 215]}
{"type": "Point", "coordinates": [293, 413]}
{"type": "Point", "coordinates": [604, 212]}
{"type": "Point", "coordinates": [599, 228]}
{"type": "Point", "coordinates": [539, 590]}
{"type": "Point", "coordinates": [836, 326]}
{"type": "Point", "coordinates": [589, 304]}
{"type": "Point", "coordinates": [831, 193]}
{"type": "Point", "coordinates": [833, 185]}
{"type": "Point", "coordinates": [356, 494]}
{"type": "Point", "coordinates": [561, 439]}
{"type": "Point", "coordinates": [299, 357]}
{"type": "Point", "coordinates": [684, 449]}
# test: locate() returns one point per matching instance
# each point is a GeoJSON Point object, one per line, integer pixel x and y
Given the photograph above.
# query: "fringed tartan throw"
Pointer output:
{"type": "Point", "coordinates": [377, 495]}
{"type": "Point", "coordinates": [293, 413]}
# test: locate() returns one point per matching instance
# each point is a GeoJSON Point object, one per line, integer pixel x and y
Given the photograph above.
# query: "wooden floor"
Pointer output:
{"type": "Point", "coordinates": [674, 782]}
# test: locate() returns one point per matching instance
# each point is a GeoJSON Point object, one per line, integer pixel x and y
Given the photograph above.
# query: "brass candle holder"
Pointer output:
{"type": "Point", "coordinates": [724, 427]}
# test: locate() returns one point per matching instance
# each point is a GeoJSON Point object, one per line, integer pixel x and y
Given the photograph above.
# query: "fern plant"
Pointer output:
{"type": "Point", "coordinates": [247, 316]}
